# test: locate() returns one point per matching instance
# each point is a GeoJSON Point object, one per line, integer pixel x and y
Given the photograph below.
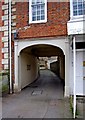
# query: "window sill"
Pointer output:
{"type": "Point", "coordinates": [41, 21]}
{"type": "Point", "coordinates": [77, 18]}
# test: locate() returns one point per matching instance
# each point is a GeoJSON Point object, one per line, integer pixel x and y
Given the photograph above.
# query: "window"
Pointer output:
{"type": "Point", "coordinates": [79, 45]}
{"type": "Point", "coordinates": [37, 11]}
{"type": "Point", "coordinates": [78, 7]}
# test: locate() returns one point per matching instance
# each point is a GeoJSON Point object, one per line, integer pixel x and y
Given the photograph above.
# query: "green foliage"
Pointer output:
{"type": "Point", "coordinates": [71, 106]}
{"type": "Point", "coordinates": [0, 78]}
{"type": "Point", "coordinates": [4, 82]}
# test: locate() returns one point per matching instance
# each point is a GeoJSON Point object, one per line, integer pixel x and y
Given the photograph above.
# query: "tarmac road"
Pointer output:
{"type": "Point", "coordinates": [42, 99]}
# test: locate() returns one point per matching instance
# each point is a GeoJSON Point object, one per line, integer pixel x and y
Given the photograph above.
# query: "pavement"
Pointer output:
{"type": "Point", "coordinates": [0, 108]}
{"type": "Point", "coordinates": [81, 107]}
{"type": "Point", "coordinates": [42, 99]}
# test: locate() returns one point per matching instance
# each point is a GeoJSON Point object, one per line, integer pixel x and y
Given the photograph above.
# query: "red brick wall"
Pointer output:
{"type": "Point", "coordinates": [57, 17]}
{"type": "Point", "coordinates": [0, 35]}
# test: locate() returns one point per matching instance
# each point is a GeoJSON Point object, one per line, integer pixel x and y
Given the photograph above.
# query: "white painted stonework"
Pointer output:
{"type": "Point", "coordinates": [6, 1]}
{"type": "Point", "coordinates": [13, 2]}
{"type": "Point", "coordinates": [5, 44]}
{"type": "Point", "coordinates": [5, 67]}
{"type": "Point", "coordinates": [4, 7]}
{"type": "Point", "coordinates": [6, 55]}
{"type": "Point", "coordinates": [5, 12]}
{"type": "Point", "coordinates": [5, 22]}
{"type": "Point", "coordinates": [0, 29]}
{"type": "Point", "coordinates": [5, 33]}
{"type": "Point", "coordinates": [76, 26]}
{"type": "Point", "coordinates": [5, 17]}
{"type": "Point", "coordinates": [62, 43]}
{"type": "Point", "coordinates": [5, 61]}
{"type": "Point", "coordinates": [3, 28]}
{"type": "Point", "coordinates": [4, 50]}
{"type": "Point", "coordinates": [14, 31]}
{"type": "Point", "coordinates": [57, 43]}
{"type": "Point", "coordinates": [13, 24]}
{"type": "Point", "coordinates": [4, 39]}
{"type": "Point", "coordinates": [13, 17]}
{"type": "Point", "coordinates": [14, 9]}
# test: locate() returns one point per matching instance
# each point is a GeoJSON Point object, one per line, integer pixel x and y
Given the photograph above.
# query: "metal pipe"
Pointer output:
{"type": "Point", "coordinates": [74, 54]}
{"type": "Point", "coordinates": [10, 53]}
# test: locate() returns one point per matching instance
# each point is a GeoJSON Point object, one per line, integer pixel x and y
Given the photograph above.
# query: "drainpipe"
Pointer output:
{"type": "Point", "coordinates": [74, 61]}
{"type": "Point", "coordinates": [10, 53]}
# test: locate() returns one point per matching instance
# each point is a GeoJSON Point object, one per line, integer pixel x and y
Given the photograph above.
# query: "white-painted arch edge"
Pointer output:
{"type": "Point", "coordinates": [27, 43]}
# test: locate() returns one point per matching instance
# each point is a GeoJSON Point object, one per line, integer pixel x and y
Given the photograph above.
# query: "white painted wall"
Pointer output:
{"type": "Point", "coordinates": [79, 75]}
{"type": "Point", "coordinates": [29, 69]}
{"type": "Point", "coordinates": [80, 70]}
{"type": "Point", "coordinates": [84, 66]}
{"type": "Point", "coordinates": [71, 71]}
{"type": "Point", "coordinates": [57, 42]}
{"type": "Point", "coordinates": [75, 26]}
{"type": "Point", "coordinates": [84, 73]}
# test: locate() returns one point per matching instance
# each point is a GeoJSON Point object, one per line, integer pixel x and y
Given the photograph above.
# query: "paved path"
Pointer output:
{"type": "Point", "coordinates": [42, 99]}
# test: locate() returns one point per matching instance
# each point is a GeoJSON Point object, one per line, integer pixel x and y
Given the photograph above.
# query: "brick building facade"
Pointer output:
{"type": "Point", "coordinates": [54, 28]}
{"type": "Point", "coordinates": [30, 35]}
{"type": "Point", "coordinates": [4, 35]}
{"type": "Point", "coordinates": [56, 25]}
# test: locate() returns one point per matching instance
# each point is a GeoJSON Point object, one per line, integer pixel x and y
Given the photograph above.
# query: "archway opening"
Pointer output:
{"type": "Point", "coordinates": [41, 61]}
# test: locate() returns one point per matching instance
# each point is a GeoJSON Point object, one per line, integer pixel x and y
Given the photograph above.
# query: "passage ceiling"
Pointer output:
{"type": "Point", "coordinates": [43, 50]}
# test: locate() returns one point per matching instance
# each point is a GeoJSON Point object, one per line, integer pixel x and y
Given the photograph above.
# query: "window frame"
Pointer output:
{"type": "Point", "coordinates": [71, 12]}
{"type": "Point", "coordinates": [30, 13]}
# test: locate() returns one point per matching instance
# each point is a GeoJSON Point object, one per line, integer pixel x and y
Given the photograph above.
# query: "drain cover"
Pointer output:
{"type": "Point", "coordinates": [37, 92]}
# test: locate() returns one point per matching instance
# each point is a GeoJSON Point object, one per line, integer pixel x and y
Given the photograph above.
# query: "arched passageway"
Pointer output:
{"type": "Point", "coordinates": [27, 61]}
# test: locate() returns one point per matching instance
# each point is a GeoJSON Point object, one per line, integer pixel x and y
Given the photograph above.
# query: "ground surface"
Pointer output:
{"type": "Point", "coordinates": [42, 99]}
